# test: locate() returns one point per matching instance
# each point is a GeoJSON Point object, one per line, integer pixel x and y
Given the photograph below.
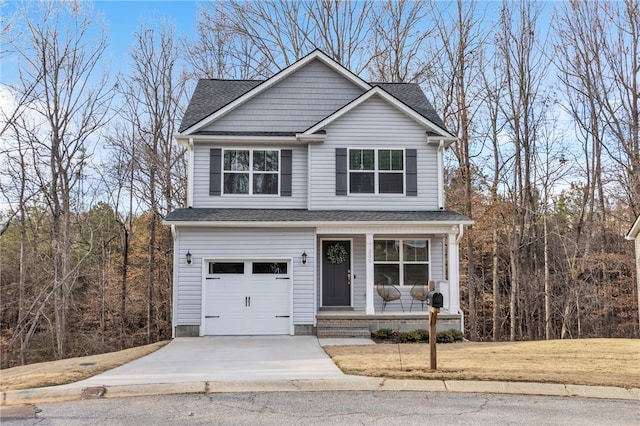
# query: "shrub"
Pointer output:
{"type": "Point", "coordinates": [383, 334]}
{"type": "Point", "coordinates": [449, 336]}
{"type": "Point", "coordinates": [408, 336]}
{"type": "Point", "coordinates": [423, 335]}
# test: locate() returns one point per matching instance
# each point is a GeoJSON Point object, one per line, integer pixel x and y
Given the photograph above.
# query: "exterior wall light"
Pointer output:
{"type": "Point", "coordinates": [188, 257]}
{"type": "Point", "coordinates": [304, 257]}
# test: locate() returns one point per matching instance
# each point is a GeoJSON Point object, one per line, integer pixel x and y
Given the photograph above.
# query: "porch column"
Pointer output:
{"type": "Point", "coordinates": [369, 309]}
{"type": "Point", "coordinates": [454, 273]}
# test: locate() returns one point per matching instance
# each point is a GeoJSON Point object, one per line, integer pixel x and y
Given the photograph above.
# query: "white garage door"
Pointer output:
{"type": "Point", "coordinates": [247, 298]}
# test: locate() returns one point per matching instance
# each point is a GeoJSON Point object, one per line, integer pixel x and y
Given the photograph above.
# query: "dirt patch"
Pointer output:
{"type": "Point", "coordinates": [604, 362]}
{"type": "Point", "coordinates": [69, 370]}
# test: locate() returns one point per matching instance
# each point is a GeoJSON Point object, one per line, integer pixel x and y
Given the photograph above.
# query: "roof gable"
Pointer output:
{"type": "Point", "coordinates": [212, 94]}
{"type": "Point", "coordinates": [634, 232]}
{"type": "Point", "coordinates": [392, 100]}
{"type": "Point", "coordinates": [196, 122]}
{"type": "Point", "coordinates": [215, 98]}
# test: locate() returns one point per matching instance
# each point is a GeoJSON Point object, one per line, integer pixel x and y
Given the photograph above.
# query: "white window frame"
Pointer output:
{"type": "Point", "coordinates": [376, 171]}
{"type": "Point", "coordinates": [401, 262]}
{"type": "Point", "coordinates": [250, 172]}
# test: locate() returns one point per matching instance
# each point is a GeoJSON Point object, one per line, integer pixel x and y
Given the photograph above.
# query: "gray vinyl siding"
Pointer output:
{"type": "Point", "coordinates": [243, 244]}
{"type": "Point", "coordinates": [294, 104]}
{"type": "Point", "coordinates": [202, 199]}
{"type": "Point", "coordinates": [373, 124]}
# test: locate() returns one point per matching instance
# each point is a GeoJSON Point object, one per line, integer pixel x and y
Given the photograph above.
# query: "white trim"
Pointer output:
{"type": "Point", "coordinates": [176, 274]}
{"type": "Point", "coordinates": [183, 140]}
{"type": "Point", "coordinates": [316, 285]}
{"type": "Point", "coordinates": [190, 167]}
{"type": "Point", "coordinates": [309, 174]}
{"type": "Point", "coordinates": [634, 232]}
{"type": "Point", "coordinates": [250, 171]}
{"type": "Point", "coordinates": [440, 168]}
{"type": "Point", "coordinates": [435, 140]}
{"type": "Point", "coordinates": [453, 272]}
{"type": "Point", "coordinates": [311, 138]}
{"type": "Point", "coordinates": [360, 227]}
{"type": "Point", "coordinates": [401, 262]}
{"type": "Point", "coordinates": [320, 261]}
{"type": "Point", "coordinates": [369, 275]}
{"type": "Point", "coordinates": [376, 173]}
{"type": "Point", "coordinates": [385, 96]}
{"type": "Point", "coordinates": [270, 82]}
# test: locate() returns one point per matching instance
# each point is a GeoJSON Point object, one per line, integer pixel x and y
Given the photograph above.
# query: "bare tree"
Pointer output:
{"type": "Point", "coordinates": [522, 61]}
{"type": "Point", "coordinates": [341, 30]}
{"type": "Point", "coordinates": [597, 51]}
{"type": "Point", "coordinates": [58, 66]}
{"type": "Point", "coordinates": [156, 91]}
{"type": "Point", "coordinates": [258, 38]}
{"type": "Point", "coordinates": [460, 44]}
{"type": "Point", "coordinates": [219, 51]}
{"type": "Point", "coordinates": [399, 39]}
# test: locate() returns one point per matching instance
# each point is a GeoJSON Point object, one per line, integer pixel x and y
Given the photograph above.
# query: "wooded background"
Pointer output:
{"type": "Point", "coordinates": [544, 98]}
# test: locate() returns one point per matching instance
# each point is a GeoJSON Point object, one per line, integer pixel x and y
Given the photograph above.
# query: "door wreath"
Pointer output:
{"type": "Point", "coordinates": [336, 253]}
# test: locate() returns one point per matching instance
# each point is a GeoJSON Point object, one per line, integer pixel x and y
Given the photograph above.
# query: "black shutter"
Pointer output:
{"type": "Point", "coordinates": [285, 172]}
{"type": "Point", "coordinates": [341, 171]}
{"type": "Point", "coordinates": [215, 165]}
{"type": "Point", "coordinates": [412, 172]}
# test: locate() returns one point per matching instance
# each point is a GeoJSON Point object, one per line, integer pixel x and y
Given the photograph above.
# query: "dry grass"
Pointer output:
{"type": "Point", "coordinates": [69, 370]}
{"type": "Point", "coordinates": [604, 362]}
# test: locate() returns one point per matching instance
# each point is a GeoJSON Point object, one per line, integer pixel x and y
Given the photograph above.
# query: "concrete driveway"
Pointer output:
{"type": "Point", "coordinates": [250, 358]}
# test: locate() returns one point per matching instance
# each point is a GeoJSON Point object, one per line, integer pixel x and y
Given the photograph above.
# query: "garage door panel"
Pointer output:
{"type": "Point", "coordinates": [247, 303]}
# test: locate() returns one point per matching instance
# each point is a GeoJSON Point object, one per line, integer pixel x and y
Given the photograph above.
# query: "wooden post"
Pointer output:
{"type": "Point", "coordinates": [433, 319]}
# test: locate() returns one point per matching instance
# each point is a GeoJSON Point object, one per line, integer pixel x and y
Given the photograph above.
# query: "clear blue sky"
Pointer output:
{"type": "Point", "coordinates": [124, 18]}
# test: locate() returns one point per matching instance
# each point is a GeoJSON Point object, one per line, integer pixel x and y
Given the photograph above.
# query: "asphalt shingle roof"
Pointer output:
{"type": "Point", "coordinates": [413, 96]}
{"type": "Point", "coordinates": [212, 94]}
{"type": "Point", "coordinates": [300, 215]}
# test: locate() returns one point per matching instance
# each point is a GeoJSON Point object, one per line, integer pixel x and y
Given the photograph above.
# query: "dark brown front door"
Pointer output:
{"type": "Point", "coordinates": [336, 273]}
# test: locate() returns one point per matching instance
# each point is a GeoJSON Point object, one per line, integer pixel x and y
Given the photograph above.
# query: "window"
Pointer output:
{"type": "Point", "coordinates": [226, 268]}
{"type": "Point", "coordinates": [374, 171]}
{"type": "Point", "coordinates": [251, 171]}
{"type": "Point", "coordinates": [269, 268]}
{"type": "Point", "coordinates": [401, 262]}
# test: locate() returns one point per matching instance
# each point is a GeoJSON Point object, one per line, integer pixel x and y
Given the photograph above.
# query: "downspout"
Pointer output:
{"type": "Point", "coordinates": [176, 266]}
{"type": "Point", "coordinates": [458, 239]}
{"type": "Point", "coordinates": [440, 175]}
{"type": "Point", "coordinates": [190, 175]}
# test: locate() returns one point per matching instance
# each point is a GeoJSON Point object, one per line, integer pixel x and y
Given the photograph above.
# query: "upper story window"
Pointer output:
{"type": "Point", "coordinates": [376, 171]}
{"type": "Point", "coordinates": [247, 171]}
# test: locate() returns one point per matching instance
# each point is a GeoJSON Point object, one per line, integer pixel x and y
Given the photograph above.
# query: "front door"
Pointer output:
{"type": "Point", "coordinates": [336, 273]}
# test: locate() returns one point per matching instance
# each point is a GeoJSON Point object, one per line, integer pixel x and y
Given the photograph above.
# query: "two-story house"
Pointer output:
{"type": "Point", "coordinates": [305, 191]}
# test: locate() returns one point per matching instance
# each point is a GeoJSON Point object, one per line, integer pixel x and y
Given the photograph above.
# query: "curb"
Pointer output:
{"type": "Point", "coordinates": [350, 383]}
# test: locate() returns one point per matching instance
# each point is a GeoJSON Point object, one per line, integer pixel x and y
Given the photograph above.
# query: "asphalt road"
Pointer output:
{"type": "Point", "coordinates": [333, 408]}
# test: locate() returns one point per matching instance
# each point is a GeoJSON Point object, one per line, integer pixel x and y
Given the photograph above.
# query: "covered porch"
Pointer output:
{"type": "Point", "coordinates": [422, 252]}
